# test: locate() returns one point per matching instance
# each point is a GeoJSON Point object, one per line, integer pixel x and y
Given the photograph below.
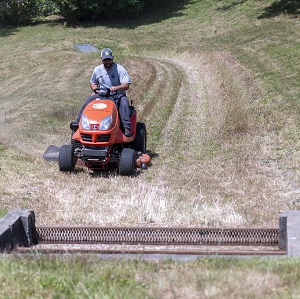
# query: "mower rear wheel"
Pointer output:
{"type": "Point", "coordinates": [66, 160]}
{"type": "Point", "coordinates": [139, 144]}
{"type": "Point", "coordinates": [127, 163]}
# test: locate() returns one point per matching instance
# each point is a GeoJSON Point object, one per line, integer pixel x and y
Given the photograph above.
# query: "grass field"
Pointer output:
{"type": "Point", "coordinates": [217, 84]}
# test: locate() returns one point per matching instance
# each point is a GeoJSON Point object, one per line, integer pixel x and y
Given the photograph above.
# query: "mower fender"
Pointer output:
{"type": "Point", "coordinates": [76, 135]}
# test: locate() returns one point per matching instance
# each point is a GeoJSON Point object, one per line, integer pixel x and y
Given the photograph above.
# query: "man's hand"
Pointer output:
{"type": "Point", "coordinates": [114, 88]}
{"type": "Point", "coordinates": [122, 87]}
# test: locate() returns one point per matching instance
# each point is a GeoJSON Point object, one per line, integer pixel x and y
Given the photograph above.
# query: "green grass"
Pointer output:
{"type": "Point", "coordinates": [217, 84]}
{"type": "Point", "coordinates": [68, 278]}
{"type": "Point", "coordinates": [82, 277]}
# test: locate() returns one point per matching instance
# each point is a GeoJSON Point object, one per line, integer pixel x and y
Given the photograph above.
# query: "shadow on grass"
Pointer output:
{"type": "Point", "coordinates": [232, 5]}
{"type": "Point", "coordinates": [156, 13]}
{"type": "Point", "coordinates": [278, 7]}
{"type": "Point", "coordinates": [282, 7]}
{"type": "Point", "coordinates": [6, 30]}
{"type": "Point", "coordinates": [113, 172]}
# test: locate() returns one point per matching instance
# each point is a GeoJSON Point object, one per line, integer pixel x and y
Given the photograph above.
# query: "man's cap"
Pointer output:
{"type": "Point", "coordinates": [106, 54]}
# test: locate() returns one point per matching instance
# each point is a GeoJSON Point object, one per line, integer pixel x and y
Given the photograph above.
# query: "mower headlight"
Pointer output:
{"type": "Point", "coordinates": [106, 123]}
{"type": "Point", "coordinates": [85, 123]}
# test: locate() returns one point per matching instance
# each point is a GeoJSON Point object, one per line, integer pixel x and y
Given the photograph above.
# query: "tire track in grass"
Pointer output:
{"type": "Point", "coordinates": [160, 99]}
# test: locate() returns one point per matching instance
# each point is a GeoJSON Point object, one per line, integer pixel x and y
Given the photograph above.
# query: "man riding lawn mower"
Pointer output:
{"type": "Point", "coordinates": [106, 134]}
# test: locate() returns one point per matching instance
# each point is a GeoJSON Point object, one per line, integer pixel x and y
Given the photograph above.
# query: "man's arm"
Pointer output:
{"type": "Point", "coordinates": [93, 86]}
{"type": "Point", "coordinates": [122, 87]}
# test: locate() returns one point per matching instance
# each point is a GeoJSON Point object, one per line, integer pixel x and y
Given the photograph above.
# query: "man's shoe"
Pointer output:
{"type": "Point", "coordinates": [127, 132]}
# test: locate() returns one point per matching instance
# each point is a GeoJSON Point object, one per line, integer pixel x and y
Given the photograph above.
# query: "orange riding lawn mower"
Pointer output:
{"type": "Point", "coordinates": [98, 141]}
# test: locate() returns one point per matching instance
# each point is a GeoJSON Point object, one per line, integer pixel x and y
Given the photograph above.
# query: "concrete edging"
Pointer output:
{"type": "Point", "coordinates": [289, 232]}
{"type": "Point", "coordinates": [17, 228]}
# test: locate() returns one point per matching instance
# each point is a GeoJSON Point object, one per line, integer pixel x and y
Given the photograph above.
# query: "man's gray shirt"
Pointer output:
{"type": "Point", "coordinates": [103, 78]}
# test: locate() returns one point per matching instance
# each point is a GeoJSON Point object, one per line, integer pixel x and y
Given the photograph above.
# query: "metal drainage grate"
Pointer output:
{"type": "Point", "coordinates": [165, 236]}
{"type": "Point", "coordinates": [85, 48]}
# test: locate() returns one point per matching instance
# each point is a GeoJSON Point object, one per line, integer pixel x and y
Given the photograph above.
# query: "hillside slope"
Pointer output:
{"type": "Point", "coordinates": [216, 85]}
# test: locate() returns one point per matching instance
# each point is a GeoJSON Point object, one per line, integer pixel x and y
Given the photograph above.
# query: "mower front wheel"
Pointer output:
{"type": "Point", "coordinates": [127, 165]}
{"type": "Point", "coordinates": [66, 160]}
